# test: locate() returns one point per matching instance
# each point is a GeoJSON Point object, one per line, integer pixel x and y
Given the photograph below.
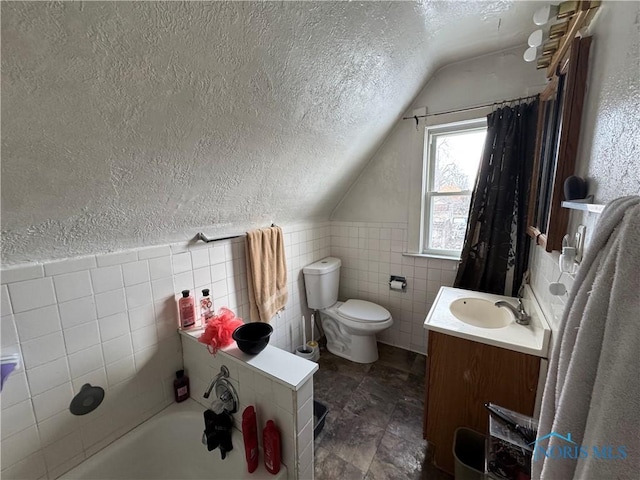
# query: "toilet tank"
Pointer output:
{"type": "Point", "coordinates": [321, 280]}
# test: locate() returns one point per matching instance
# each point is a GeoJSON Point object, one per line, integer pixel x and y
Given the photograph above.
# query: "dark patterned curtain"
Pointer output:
{"type": "Point", "coordinates": [496, 248]}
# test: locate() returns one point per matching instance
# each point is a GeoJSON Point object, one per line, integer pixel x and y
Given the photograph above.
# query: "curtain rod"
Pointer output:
{"type": "Point", "coordinates": [415, 117]}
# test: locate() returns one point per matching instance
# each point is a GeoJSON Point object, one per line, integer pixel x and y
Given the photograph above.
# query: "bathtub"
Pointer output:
{"type": "Point", "coordinates": [169, 445]}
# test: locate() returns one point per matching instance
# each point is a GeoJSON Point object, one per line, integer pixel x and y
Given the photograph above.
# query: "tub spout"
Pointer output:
{"type": "Point", "coordinates": [519, 313]}
{"type": "Point", "coordinates": [224, 373]}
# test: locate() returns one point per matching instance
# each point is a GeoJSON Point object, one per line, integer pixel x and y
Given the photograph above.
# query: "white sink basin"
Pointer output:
{"type": "Point", "coordinates": [473, 316]}
{"type": "Point", "coordinates": [480, 313]}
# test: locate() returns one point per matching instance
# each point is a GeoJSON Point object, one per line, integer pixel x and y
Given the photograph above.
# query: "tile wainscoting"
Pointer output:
{"type": "Point", "coordinates": [370, 253]}
{"type": "Point", "coordinates": [110, 320]}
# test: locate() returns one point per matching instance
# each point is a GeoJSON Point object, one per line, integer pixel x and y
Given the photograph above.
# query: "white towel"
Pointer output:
{"type": "Point", "coordinates": [593, 385]}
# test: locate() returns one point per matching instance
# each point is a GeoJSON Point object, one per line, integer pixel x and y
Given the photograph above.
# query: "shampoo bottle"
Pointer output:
{"type": "Point", "coordinates": [187, 307]}
{"type": "Point", "coordinates": [181, 386]}
{"type": "Point", "coordinates": [206, 307]}
{"type": "Point", "coordinates": [271, 445]}
{"type": "Point", "coordinates": [250, 436]}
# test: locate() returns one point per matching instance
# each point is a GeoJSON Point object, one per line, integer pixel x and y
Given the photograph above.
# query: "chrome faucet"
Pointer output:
{"type": "Point", "coordinates": [521, 316]}
{"type": "Point", "coordinates": [225, 392]}
{"type": "Point", "coordinates": [224, 373]}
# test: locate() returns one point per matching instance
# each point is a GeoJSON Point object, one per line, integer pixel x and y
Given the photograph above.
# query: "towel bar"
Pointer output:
{"type": "Point", "coordinates": [205, 239]}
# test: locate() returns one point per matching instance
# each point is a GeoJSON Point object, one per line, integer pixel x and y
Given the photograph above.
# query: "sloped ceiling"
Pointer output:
{"type": "Point", "coordinates": [138, 123]}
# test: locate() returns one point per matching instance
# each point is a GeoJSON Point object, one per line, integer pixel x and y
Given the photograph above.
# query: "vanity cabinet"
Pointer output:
{"type": "Point", "coordinates": [463, 375]}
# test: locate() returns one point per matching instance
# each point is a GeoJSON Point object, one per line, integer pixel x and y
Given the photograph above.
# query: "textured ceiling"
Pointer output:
{"type": "Point", "coordinates": [128, 124]}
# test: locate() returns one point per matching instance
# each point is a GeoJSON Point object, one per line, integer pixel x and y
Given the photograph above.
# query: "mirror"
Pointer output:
{"type": "Point", "coordinates": [557, 138]}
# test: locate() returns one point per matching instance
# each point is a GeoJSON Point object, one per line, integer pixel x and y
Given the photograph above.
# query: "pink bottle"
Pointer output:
{"type": "Point", "coordinates": [187, 307]}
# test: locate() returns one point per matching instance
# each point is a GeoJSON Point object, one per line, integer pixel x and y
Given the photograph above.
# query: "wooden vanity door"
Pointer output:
{"type": "Point", "coordinates": [461, 377]}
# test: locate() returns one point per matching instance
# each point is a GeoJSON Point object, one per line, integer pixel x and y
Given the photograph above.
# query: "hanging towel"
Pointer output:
{"type": "Point", "coordinates": [592, 390]}
{"type": "Point", "coordinates": [266, 273]}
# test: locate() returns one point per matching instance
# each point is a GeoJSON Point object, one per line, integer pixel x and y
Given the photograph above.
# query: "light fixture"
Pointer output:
{"type": "Point", "coordinates": [556, 21]}
{"type": "Point", "coordinates": [535, 39]}
{"type": "Point", "coordinates": [530, 54]}
{"type": "Point", "coordinates": [544, 14]}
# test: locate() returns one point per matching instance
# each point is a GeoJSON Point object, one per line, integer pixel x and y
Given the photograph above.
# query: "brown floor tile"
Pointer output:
{"type": "Point", "coordinates": [406, 421]}
{"type": "Point", "coordinates": [333, 363]}
{"type": "Point", "coordinates": [388, 376]}
{"type": "Point", "coordinates": [329, 466]}
{"type": "Point", "coordinates": [383, 471]}
{"type": "Point", "coordinates": [374, 424]}
{"type": "Point", "coordinates": [332, 388]}
{"type": "Point", "coordinates": [419, 366]}
{"type": "Point", "coordinates": [376, 409]}
{"type": "Point", "coordinates": [414, 389]}
{"type": "Point", "coordinates": [405, 456]}
{"type": "Point", "coordinates": [395, 357]}
{"type": "Point", "coordinates": [353, 439]}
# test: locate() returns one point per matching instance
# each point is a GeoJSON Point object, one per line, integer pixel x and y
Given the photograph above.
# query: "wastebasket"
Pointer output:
{"type": "Point", "coordinates": [468, 454]}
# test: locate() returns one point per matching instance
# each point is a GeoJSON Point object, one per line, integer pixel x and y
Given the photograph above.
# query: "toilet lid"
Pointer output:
{"type": "Point", "coordinates": [363, 311]}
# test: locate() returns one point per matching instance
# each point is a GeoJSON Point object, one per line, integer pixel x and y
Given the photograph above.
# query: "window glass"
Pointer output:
{"type": "Point", "coordinates": [452, 158]}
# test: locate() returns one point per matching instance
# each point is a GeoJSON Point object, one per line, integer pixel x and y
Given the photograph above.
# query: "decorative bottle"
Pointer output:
{"type": "Point", "coordinates": [271, 445]}
{"type": "Point", "coordinates": [187, 307]}
{"type": "Point", "coordinates": [206, 307]}
{"type": "Point", "coordinates": [181, 386]}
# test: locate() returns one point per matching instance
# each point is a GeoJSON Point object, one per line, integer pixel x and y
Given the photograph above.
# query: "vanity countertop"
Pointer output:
{"type": "Point", "coordinates": [532, 339]}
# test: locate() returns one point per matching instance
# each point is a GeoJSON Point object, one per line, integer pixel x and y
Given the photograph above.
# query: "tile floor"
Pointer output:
{"type": "Point", "coordinates": [374, 426]}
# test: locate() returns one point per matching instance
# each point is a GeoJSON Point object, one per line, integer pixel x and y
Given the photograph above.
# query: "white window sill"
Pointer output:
{"type": "Point", "coordinates": [431, 255]}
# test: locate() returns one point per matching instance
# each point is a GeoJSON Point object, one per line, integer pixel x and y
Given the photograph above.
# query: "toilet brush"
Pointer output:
{"type": "Point", "coordinates": [304, 338]}
{"type": "Point", "coordinates": [312, 343]}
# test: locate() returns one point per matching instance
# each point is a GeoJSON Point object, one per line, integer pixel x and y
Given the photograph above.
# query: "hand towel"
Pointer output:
{"type": "Point", "coordinates": [266, 273]}
{"type": "Point", "coordinates": [592, 389]}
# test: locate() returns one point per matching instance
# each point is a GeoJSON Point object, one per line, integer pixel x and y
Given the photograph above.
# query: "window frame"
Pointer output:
{"type": "Point", "coordinates": [428, 193]}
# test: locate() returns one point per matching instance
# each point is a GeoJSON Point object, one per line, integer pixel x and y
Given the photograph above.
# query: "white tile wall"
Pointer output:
{"type": "Point", "coordinates": [111, 320]}
{"type": "Point", "coordinates": [271, 399]}
{"type": "Point", "coordinates": [370, 254]}
{"type": "Point", "coordinates": [545, 270]}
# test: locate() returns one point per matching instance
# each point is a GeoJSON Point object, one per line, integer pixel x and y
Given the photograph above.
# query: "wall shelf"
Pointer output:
{"type": "Point", "coordinates": [586, 207]}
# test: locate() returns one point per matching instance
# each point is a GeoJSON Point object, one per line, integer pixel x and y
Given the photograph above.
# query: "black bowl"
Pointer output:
{"type": "Point", "coordinates": [252, 338]}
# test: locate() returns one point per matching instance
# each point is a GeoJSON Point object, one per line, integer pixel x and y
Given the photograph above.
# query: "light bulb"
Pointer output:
{"type": "Point", "coordinates": [543, 14]}
{"type": "Point", "coordinates": [530, 54]}
{"type": "Point", "coordinates": [535, 39]}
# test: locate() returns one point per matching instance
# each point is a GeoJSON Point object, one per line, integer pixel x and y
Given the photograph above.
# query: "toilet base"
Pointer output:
{"type": "Point", "coordinates": [366, 352]}
{"type": "Point", "coordinates": [359, 348]}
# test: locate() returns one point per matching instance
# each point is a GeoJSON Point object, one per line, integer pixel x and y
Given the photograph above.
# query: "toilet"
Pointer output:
{"type": "Point", "coordinates": [350, 326]}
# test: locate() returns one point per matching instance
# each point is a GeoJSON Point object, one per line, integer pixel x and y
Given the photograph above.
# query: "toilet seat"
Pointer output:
{"type": "Point", "coordinates": [363, 312]}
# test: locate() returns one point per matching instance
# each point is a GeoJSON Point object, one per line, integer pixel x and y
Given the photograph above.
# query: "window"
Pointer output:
{"type": "Point", "coordinates": [452, 157]}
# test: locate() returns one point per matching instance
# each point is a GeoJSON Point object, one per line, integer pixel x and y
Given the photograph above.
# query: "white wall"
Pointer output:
{"type": "Point", "coordinates": [111, 320]}
{"type": "Point", "coordinates": [273, 399]}
{"type": "Point", "coordinates": [127, 124]}
{"type": "Point", "coordinates": [370, 253]}
{"type": "Point", "coordinates": [378, 218]}
{"type": "Point", "coordinates": [609, 150]}
{"type": "Point", "coordinates": [386, 189]}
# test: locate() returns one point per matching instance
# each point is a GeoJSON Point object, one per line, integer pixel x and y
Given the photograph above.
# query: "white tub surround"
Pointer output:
{"type": "Point", "coordinates": [279, 385]}
{"type": "Point", "coordinates": [532, 339]}
{"type": "Point", "coordinates": [110, 320]}
{"type": "Point", "coordinates": [169, 446]}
